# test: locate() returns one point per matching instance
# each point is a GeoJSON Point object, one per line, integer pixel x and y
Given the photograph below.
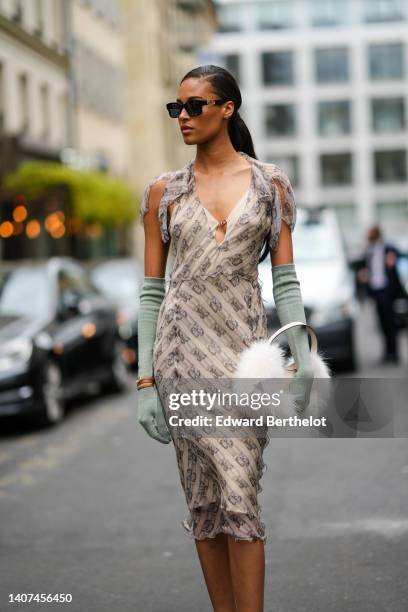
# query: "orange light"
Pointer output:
{"type": "Point", "coordinates": [48, 223]}
{"type": "Point", "coordinates": [58, 231]}
{"type": "Point", "coordinates": [88, 330]}
{"type": "Point", "coordinates": [19, 213]}
{"type": "Point", "coordinates": [6, 229]}
{"type": "Point", "coordinates": [54, 224]}
{"type": "Point", "coordinates": [51, 222]}
{"type": "Point", "coordinates": [33, 229]}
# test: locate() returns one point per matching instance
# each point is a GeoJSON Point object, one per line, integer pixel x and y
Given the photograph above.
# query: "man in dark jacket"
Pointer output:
{"type": "Point", "coordinates": [384, 286]}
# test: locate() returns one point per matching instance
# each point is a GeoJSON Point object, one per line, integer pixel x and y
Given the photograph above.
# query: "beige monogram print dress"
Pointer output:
{"type": "Point", "coordinates": [212, 310]}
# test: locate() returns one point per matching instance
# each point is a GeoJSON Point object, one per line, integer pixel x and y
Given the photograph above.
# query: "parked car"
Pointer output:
{"type": "Point", "coordinates": [121, 281]}
{"type": "Point", "coordinates": [58, 338]}
{"type": "Point", "coordinates": [327, 286]}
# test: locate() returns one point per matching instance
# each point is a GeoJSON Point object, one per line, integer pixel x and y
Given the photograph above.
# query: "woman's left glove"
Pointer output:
{"type": "Point", "coordinates": [289, 308]}
{"type": "Point", "coordinates": [300, 387]}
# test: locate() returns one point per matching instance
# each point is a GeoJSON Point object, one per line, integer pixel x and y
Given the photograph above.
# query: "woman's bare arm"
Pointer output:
{"type": "Point", "coordinates": [155, 250]}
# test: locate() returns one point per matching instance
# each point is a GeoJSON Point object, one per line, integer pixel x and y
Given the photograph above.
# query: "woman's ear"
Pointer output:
{"type": "Point", "coordinates": [229, 110]}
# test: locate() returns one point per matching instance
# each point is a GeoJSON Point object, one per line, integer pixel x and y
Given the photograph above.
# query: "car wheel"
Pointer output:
{"type": "Point", "coordinates": [52, 395]}
{"type": "Point", "coordinates": [119, 376]}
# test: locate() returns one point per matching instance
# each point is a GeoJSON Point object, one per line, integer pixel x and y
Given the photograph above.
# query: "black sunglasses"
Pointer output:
{"type": "Point", "coordinates": [193, 107]}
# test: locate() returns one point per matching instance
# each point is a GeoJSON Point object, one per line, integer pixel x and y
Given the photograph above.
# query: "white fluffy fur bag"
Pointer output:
{"type": "Point", "coordinates": [264, 360]}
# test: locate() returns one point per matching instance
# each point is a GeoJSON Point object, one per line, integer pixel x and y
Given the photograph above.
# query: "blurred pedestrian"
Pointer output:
{"type": "Point", "coordinates": [220, 210]}
{"type": "Point", "coordinates": [380, 276]}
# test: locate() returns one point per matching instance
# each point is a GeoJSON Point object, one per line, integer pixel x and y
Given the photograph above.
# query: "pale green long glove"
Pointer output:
{"type": "Point", "coordinates": [289, 307]}
{"type": "Point", "coordinates": [150, 413]}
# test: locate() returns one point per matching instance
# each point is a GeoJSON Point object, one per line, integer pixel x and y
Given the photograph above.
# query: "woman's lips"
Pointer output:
{"type": "Point", "coordinates": [187, 129]}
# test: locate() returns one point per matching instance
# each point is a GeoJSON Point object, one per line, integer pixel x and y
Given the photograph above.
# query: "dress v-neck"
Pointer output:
{"type": "Point", "coordinates": [233, 212]}
{"type": "Point", "coordinates": [228, 218]}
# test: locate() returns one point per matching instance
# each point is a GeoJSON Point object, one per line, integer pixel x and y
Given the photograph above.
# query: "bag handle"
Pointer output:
{"type": "Point", "coordinates": [310, 330]}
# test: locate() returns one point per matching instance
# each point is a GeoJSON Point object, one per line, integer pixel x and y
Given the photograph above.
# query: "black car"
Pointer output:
{"type": "Point", "coordinates": [58, 338]}
{"type": "Point", "coordinates": [120, 280]}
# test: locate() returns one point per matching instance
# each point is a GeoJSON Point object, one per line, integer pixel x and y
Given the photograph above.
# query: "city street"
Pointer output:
{"type": "Point", "coordinates": [93, 508]}
{"type": "Point", "coordinates": [184, 149]}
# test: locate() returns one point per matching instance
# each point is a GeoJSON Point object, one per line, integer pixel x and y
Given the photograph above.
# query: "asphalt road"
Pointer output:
{"type": "Point", "coordinates": [93, 508]}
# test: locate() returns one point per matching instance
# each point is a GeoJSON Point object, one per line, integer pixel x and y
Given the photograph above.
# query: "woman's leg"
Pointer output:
{"type": "Point", "coordinates": [247, 563]}
{"type": "Point", "coordinates": [213, 555]}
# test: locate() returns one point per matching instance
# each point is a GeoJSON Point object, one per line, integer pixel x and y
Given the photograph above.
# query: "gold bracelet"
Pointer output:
{"type": "Point", "coordinates": [145, 381]}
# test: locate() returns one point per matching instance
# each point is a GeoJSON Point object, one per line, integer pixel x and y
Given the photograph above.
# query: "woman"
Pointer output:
{"type": "Point", "coordinates": [219, 210]}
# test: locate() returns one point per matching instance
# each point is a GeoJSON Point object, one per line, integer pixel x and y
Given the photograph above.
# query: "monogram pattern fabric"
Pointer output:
{"type": "Point", "coordinates": [212, 311]}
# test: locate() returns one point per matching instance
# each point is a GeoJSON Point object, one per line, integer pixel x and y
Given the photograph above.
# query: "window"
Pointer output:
{"type": "Point", "coordinates": [280, 120]}
{"type": "Point", "coordinates": [45, 111]}
{"type": "Point", "coordinates": [24, 292]}
{"type": "Point", "coordinates": [332, 65]}
{"type": "Point", "coordinates": [2, 109]}
{"type": "Point", "coordinates": [232, 64]}
{"type": "Point", "coordinates": [277, 67]}
{"type": "Point", "coordinates": [275, 15]}
{"type": "Point", "coordinates": [17, 10]}
{"type": "Point", "coordinates": [377, 11]}
{"type": "Point", "coordinates": [390, 166]}
{"type": "Point", "coordinates": [73, 285]}
{"type": "Point", "coordinates": [92, 73]}
{"type": "Point", "coordinates": [230, 17]}
{"type": "Point", "coordinates": [386, 61]}
{"type": "Point", "coordinates": [393, 217]}
{"type": "Point", "coordinates": [63, 117]}
{"type": "Point", "coordinates": [325, 13]}
{"type": "Point", "coordinates": [333, 118]}
{"type": "Point", "coordinates": [24, 104]}
{"type": "Point", "coordinates": [113, 14]}
{"type": "Point", "coordinates": [335, 168]}
{"type": "Point", "coordinates": [288, 163]}
{"type": "Point", "coordinates": [57, 21]}
{"type": "Point", "coordinates": [388, 114]}
{"type": "Point", "coordinates": [39, 17]}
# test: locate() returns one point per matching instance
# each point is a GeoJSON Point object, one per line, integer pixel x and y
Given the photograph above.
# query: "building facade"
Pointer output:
{"type": "Point", "coordinates": [34, 81]}
{"type": "Point", "coordinates": [98, 86]}
{"type": "Point", "coordinates": [62, 99]}
{"type": "Point", "coordinates": [162, 42]}
{"type": "Point", "coordinates": [325, 90]}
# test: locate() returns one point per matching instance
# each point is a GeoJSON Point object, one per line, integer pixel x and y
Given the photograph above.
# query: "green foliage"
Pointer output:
{"type": "Point", "coordinates": [95, 197]}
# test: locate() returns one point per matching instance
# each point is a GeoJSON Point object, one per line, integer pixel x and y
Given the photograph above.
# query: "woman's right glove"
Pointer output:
{"type": "Point", "coordinates": [150, 411]}
{"type": "Point", "coordinates": [151, 415]}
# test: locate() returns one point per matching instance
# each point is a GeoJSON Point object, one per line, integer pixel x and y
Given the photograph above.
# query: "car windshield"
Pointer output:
{"type": "Point", "coordinates": [116, 281]}
{"type": "Point", "coordinates": [24, 293]}
{"type": "Point", "coordinates": [314, 242]}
